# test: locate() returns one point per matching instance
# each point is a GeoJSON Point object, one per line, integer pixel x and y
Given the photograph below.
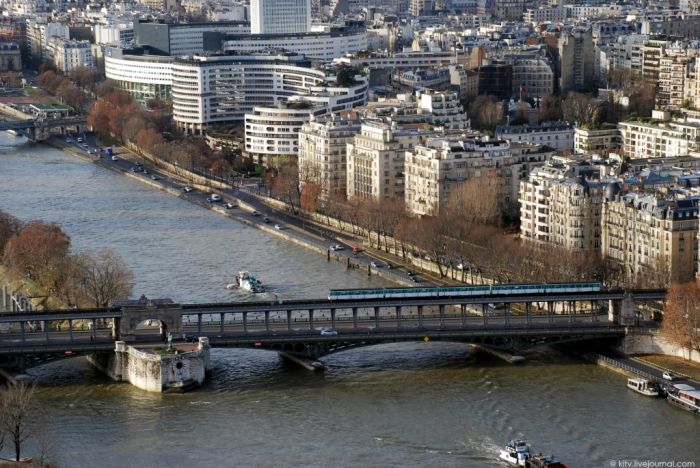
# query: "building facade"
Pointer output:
{"type": "Point", "coordinates": [280, 16]}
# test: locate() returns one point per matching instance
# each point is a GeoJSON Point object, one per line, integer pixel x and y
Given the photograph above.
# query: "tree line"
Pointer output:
{"type": "Point", "coordinates": [41, 252]}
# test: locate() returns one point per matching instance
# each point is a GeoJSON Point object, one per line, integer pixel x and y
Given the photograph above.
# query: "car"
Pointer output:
{"type": "Point", "coordinates": [187, 189]}
{"type": "Point", "coordinates": [69, 140]}
{"type": "Point", "coordinates": [375, 264]}
{"type": "Point", "coordinates": [138, 163]}
{"type": "Point", "coordinates": [278, 227]}
{"type": "Point", "coordinates": [356, 250]}
{"type": "Point", "coordinates": [155, 177]}
{"type": "Point", "coordinates": [668, 376]}
{"type": "Point", "coordinates": [228, 206]}
{"type": "Point", "coordinates": [336, 248]}
{"type": "Point", "coordinates": [266, 220]}
{"type": "Point", "coordinates": [136, 169]}
{"type": "Point", "coordinates": [328, 332]}
{"type": "Point", "coordinates": [115, 158]}
{"type": "Point", "coordinates": [255, 213]}
{"type": "Point", "coordinates": [80, 140]}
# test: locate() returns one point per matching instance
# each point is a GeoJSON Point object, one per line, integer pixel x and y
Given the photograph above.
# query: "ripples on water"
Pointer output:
{"type": "Point", "coordinates": [411, 404]}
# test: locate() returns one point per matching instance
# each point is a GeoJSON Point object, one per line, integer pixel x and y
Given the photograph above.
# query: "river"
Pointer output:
{"type": "Point", "coordinates": [418, 404]}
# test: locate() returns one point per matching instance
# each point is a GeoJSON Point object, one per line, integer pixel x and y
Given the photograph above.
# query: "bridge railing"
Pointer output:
{"type": "Point", "coordinates": [621, 365]}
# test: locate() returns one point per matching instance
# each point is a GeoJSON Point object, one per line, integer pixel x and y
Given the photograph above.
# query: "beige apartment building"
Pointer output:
{"type": "Point", "coordinates": [598, 141]}
{"type": "Point", "coordinates": [561, 203]}
{"type": "Point", "coordinates": [375, 159]}
{"type": "Point", "coordinates": [434, 170]}
{"type": "Point", "coordinates": [322, 153]}
{"type": "Point", "coordinates": [649, 235]}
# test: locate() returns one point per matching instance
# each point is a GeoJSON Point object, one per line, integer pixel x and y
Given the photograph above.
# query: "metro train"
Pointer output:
{"type": "Point", "coordinates": [458, 291]}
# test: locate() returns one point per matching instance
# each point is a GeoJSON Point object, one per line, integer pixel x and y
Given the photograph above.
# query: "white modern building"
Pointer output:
{"type": "Point", "coordinates": [280, 16]}
{"type": "Point", "coordinates": [274, 131]}
{"type": "Point", "coordinates": [558, 135]}
{"type": "Point", "coordinates": [657, 140]}
{"type": "Point", "coordinates": [219, 89]}
{"type": "Point", "coordinates": [324, 45]}
{"type": "Point", "coordinates": [186, 38]}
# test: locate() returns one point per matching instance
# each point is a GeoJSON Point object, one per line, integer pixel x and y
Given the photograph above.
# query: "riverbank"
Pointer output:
{"type": "Point", "coordinates": [173, 186]}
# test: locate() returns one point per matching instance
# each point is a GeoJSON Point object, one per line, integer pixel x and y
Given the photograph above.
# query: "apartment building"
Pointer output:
{"type": "Point", "coordinates": [560, 203]}
{"type": "Point", "coordinates": [649, 234]}
{"type": "Point", "coordinates": [68, 54]}
{"type": "Point", "coordinates": [544, 14]}
{"type": "Point", "coordinates": [376, 156]}
{"type": "Point", "coordinates": [556, 135]}
{"type": "Point", "coordinates": [533, 77]}
{"type": "Point", "coordinates": [446, 110]}
{"type": "Point", "coordinates": [322, 156]}
{"type": "Point", "coordinates": [577, 59]}
{"type": "Point", "coordinates": [655, 140]}
{"type": "Point", "coordinates": [435, 169]}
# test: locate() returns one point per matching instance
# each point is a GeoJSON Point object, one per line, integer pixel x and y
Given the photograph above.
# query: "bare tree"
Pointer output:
{"type": "Point", "coordinates": [486, 112]}
{"type": "Point", "coordinates": [581, 108]}
{"type": "Point", "coordinates": [17, 408]}
{"type": "Point", "coordinates": [682, 316]}
{"type": "Point", "coordinates": [35, 249]}
{"type": "Point", "coordinates": [550, 109]}
{"type": "Point", "coordinates": [104, 277]}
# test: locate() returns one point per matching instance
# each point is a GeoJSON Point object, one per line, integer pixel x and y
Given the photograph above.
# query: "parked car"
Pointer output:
{"type": "Point", "coordinates": [375, 264]}
{"type": "Point", "coordinates": [187, 189]}
{"type": "Point", "coordinates": [336, 248]}
{"type": "Point", "coordinates": [115, 158]}
{"type": "Point", "coordinates": [228, 206]}
{"type": "Point", "coordinates": [255, 213]}
{"type": "Point", "coordinates": [668, 376]}
{"type": "Point", "coordinates": [328, 332]}
{"type": "Point", "coordinates": [215, 197]}
{"type": "Point", "coordinates": [356, 250]}
{"type": "Point", "coordinates": [278, 227]}
{"type": "Point", "coordinates": [155, 177]}
{"type": "Point", "coordinates": [266, 220]}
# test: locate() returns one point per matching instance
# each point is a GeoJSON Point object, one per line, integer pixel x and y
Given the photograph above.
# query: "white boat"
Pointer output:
{"type": "Point", "coordinates": [13, 132]}
{"type": "Point", "coordinates": [244, 280]}
{"type": "Point", "coordinates": [516, 453]}
{"type": "Point", "coordinates": [643, 386]}
{"type": "Point", "coordinates": [685, 396]}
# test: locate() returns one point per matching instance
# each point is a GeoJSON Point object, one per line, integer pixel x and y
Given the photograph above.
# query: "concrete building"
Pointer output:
{"type": "Point", "coordinates": [532, 77]}
{"type": "Point", "coordinates": [651, 236]}
{"type": "Point", "coordinates": [446, 110]}
{"type": "Point", "coordinates": [597, 141]}
{"type": "Point", "coordinates": [10, 57]}
{"type": "Point", "coordinates": [280, 16]}
{"type": "Point", "coordinates": [375, 160]}
{"type": "Point", "coordinates": [556, 135]}
{"type": "Point", "coordinates": [545, 14]}
{"type": "Point", "coordinates": [322, 155]}
{"type": "Point", "coordinates": [420, 7]}
{"type": "Point", "coordinates": [682, 25]}
{"type": "Point", "coordinates": [577, 60]}
{"type": "Point", "coordinates": [464, 81]}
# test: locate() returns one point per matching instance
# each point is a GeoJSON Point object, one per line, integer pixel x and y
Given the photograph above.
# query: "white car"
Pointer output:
{"type": "Point", "coordinates": [375, 264]}
{"type": "Point", "coordinates": [187, 189]}
{"type": "Point", "coordinates": [328, 332]}
{"type": "Point", "coordinates": [336, 248]}
{"type": "Point", "coordinates": [278, 227]}
{"type": "Point", "coordinates": [668, 376]}
{"type": "Point", "coordinates": [114, 158]}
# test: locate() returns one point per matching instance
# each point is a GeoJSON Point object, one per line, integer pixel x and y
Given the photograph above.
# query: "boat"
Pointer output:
{"type": "Point", "coordinates": [516, 453]}
{"type": "Point", "coordinates": [244, 280]}
{"type": "Point", "coordinates": [685, 396]}
{"type": "Point", "coordinates": [13, 132]}
{"type": "Point", "coordinates": [644, 386]}
{"type": "Point", "coordinates": [541, 461]}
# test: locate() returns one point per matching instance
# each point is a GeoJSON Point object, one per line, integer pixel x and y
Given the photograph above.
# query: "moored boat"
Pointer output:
{"type": "Point", "coordinates": [685, 396]}
{"type": "Point", "coordinates": [644, 386]}
{"type": "Point", "coordinates": [516, 453]}
{"type": "Point", "coordinates": [244, 280]}
{"type": "Point", "coordinates": [13, 132]}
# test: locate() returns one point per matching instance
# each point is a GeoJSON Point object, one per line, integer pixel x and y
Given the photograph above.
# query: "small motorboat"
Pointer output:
{"type": "Point", "coordinates": [516, 453]}
{"type": "Point", "coordinates": [244, 280]}
{"type": "Point", "coordinates": [541, 461]}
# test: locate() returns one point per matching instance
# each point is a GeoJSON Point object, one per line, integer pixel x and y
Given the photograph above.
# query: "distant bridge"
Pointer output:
{"type": "Point", "coordinates": [37, 128]}
{"type": "Point", "coordinates": [508, 322]}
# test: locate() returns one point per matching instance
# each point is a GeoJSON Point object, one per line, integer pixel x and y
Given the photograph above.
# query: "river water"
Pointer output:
{"type": "Point", "coordinates": [422, 404]}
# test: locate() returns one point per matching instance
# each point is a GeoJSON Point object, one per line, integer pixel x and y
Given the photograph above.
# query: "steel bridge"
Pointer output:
{"type": "Point", "coordinates": [314, 328]}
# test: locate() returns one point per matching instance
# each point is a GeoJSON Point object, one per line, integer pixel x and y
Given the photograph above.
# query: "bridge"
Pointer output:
{"type": "Point", "coordinates": [301, 327]}
{"type": "Point", "coordinates": [38, 128]}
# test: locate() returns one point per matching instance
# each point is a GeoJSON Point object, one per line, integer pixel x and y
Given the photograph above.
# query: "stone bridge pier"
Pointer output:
{"type": "Point", "coordinates": [622, 311]}
{"type": "Point", "coordinates": [136, 312]}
